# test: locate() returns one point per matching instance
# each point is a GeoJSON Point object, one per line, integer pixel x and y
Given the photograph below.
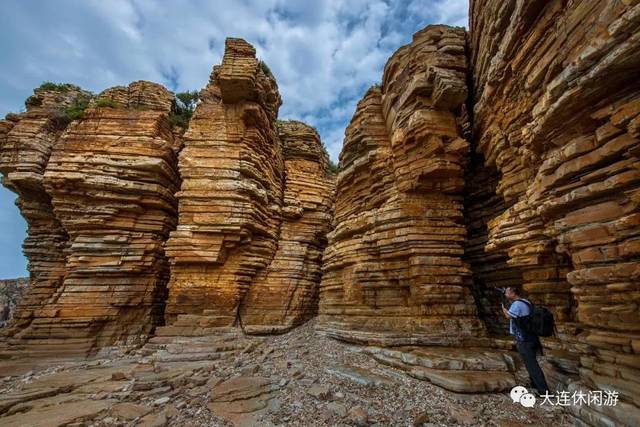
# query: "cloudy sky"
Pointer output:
{"type": "Point", "coordinates": [323, 53]}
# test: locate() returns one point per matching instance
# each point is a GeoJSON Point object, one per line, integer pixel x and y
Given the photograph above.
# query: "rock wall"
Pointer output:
{"type": "Point", "coordinates": [556, 113]}
{"type": "Point", "coordinates": [112, 177]}
{"type": "Point", "coordinates": [506, 156]}
{"type": "Point", "coordinates": [393, 270]}
{"type": "Point", "coordinates": [253, 209]}
{"type": "Point", "coordinates": [286, 293]}
{"type": "Point", "coordinates": [231, 195]}
{"type": "Point", "coordinates": [490, 269]}
{"type": "Point", "coordinates": [104, 206]}
{"type": "Point", "coordinates": [243, 214]}
{"type": "Point", "coordinates": [26, 142]}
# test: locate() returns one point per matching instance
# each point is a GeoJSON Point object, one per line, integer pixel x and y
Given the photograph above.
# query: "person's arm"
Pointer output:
{"type": "Point", "coordinates": [516, 310]}
{"type": "Point", "coordinates": [505, 312]}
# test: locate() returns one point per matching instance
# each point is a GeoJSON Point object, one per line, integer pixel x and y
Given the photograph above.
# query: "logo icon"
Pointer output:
{"type": "Point", "coordinates": [521, 395]}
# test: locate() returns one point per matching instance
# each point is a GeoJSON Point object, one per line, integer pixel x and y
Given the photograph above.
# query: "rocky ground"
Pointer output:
{"type": "Point", "coordinates": [296, 379]}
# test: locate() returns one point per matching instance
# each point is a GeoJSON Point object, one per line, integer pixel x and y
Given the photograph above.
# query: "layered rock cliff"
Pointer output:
{"type": "Point", "coordinates": [556, 113]}
{"type": "Point", "coordinates": [254, 208]}
{"type": "Point", "coordinates": [240, 202]}
{"type": "Point", "coordinates": [549, 194]}
{"type": "Point", "coordinates": [286, 293]}
{"type": "Point", "coordinates": [26, 142]}
{"type": "Point", "coordinates": [231, 196]}
{"type": "Point", "coordinates": [393, 270]}
{"type": "Point", "coordinates": [97, 194]}
{"type": "Point", "coordinates": [506, 156]}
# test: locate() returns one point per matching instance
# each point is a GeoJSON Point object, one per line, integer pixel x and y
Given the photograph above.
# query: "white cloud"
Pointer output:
{"type": "Point", "coordinates": [324, 53]}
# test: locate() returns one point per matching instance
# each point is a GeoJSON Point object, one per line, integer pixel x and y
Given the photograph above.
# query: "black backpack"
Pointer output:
{"type": "Point", "coordinates": [539, 321]}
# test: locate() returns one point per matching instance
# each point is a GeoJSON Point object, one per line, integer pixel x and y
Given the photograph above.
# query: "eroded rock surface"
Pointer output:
{"type": "Point", "coordinates": [556, 113]}
{"type": "Point", "coordinates": [112, 177]}
{"type": "Point", "coordinates": [297, 378]}
{"type": "Point", "coordinates": [26, 142]}
{"type": "Point", "coordinates": [286, 293]}
{"type": "Point", "coordinates": [254, 208]}
{"type": "Point", "coordinates": [248, 208]}
{"type": "Point", "coordinates": [393, 270]}
{"type": "Point", "coordinates": [503, 156]}
{"type": "Point", "coordinates": [98, 198]}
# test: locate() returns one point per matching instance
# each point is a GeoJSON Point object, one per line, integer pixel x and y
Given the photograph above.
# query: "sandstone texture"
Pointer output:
{"type": "Point", "coordinates": [98, 196]}
{"type": "Point", "coordinates": [112, 177]}
{"type": "Point", "coordinates": [507, 155]}
{"type": "Point", "coordinates": [26, 142]}
{"type": "Point", "coordinates": [393, 270]}
{"type": "Point", "coordinates": [556, 114]}
{"type": "Point", "coordinates": [134, 223]}
{"type": "Point", "coordinates": [254, 208]}
{"type": "Point", "coordinates": [286, 293]}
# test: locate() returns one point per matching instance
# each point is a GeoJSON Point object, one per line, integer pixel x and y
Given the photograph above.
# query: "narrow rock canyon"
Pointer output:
{"type": "Point", "coordinates": [219, 273]}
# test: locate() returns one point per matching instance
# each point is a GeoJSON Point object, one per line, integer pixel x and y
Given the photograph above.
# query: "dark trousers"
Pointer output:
{"type": "Point", "coordinates": [528, 351]}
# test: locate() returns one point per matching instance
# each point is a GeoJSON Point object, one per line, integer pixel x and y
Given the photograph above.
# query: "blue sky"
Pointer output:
{"type": "Point", "coordinates": [323, 53]}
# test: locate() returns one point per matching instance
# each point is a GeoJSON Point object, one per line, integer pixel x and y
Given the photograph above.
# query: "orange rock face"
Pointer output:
{"type": "Point", "coordinates": [26, 142]}
{"type": "Point", "coordinates": [508, 156]}
{"type": "Point", "coordinates": [231, 195]}
{"type": "Point", "coordinates": [393, 270]}
{"type": "Point", "coordinates": [557, 114]}
{"type": "Point", "coordinates": [104, 192]}
{"type": "Point", "coordinates": [254, 208]}
{"type": "Point", "coordinates": [286, 292]}
{"type": "Point", "coordinates": [242, 216]}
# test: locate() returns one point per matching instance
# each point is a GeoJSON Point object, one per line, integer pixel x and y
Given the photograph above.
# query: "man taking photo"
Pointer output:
{"type": "Point", "coordinates": [527, 343]}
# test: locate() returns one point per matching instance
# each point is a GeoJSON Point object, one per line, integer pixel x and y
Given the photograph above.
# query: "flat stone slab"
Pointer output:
{"type": "Point", "coordinates": [462, 370]}
{"type": "Point", "coordinates": [58, 415]}
{"type": "Point", "coordinates": [449, 358]}
{"type": "Point", "coordinates": [466, 381]}
{"type": "Point", "coordinates": [359, 375]}
{"type": "Point", "coordinates": [242, 400]}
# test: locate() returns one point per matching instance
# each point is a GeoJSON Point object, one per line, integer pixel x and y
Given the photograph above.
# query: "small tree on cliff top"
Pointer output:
{"type": "Point", "coordinates": [185, 105]}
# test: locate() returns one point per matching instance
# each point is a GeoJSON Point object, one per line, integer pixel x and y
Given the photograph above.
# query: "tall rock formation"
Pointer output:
{"type": "Point", "coordinates": [26, 142]}
{"type": "Point", "coordinates": [286, 292]}
{"type": "Point", "coordinates": [243, 214]}
{"type": "Point", "coordinates": [104, 204]}
{"type": "Point", "coordinates": [557, 114]}
{"type": "Point", "coordinates": [231, 195]}
{"type": "Point", "coordinates": [506, 156]}
{"type": "Point", "coordinates": [393, 271]}
{"type": "Point", "coordinates": [254, 208]}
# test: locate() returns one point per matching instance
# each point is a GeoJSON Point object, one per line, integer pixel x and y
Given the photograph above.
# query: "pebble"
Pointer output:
{"type": "Point", "coordinates": [358, 416]}
{"type": "Point", "coordinates": [319, 392]}
{"type": "Point", "coordinates": [337, 409]}
{"type": "Point", "coordinates": [161, 401]}
{"type": "Point", "coordinates": [316, 398]}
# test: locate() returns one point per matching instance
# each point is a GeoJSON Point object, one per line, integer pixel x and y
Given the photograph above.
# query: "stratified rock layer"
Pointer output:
{"type": "Point", "coordinates": [107, 188]}
{"type": "Point", "coordinates": [393, 270]}
{"type": "Point", "coordinates": [99, 186]}
{"type": "Point", "coordinates": [557, 104]}
{"type": "Point", "coordinates": [26, 142]}
{"type": "Point", "coordinates": [286, 292]}
{"type": "Point", "coordinates": [253, 210]}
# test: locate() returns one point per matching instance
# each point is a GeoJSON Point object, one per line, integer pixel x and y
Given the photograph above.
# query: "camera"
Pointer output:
{"type": "Point", "coordinates": [503, 298]}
